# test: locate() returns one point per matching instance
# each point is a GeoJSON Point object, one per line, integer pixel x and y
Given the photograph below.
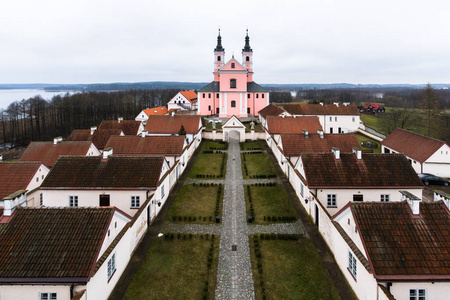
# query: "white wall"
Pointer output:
{"type": "Point", "coordinates": [38, 178]}
{"type": "Point", "coordinates": [119, 198]}
{"type": "Point", "coordinates": [142, 116]}
{"type": "Point", "coordinates": [93, 151]}
{"type": "Point", "coordinates": [435, 291]}
{"type": "Point", "coordinates": [27, 292]}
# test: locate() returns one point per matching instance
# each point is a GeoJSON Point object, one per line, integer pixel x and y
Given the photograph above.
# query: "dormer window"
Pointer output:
{"type": "Point", "coordinates": [232, 65]}
{"type": "Point", "coordinates": [232, 83]}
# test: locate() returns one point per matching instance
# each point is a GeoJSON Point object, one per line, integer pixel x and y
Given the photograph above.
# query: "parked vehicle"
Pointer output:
{"type": "Point", "coordinates": [433, 179]}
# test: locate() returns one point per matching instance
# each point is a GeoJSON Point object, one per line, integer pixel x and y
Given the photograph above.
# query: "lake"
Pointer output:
{"type": "Point", "coordinates": [9, 96]}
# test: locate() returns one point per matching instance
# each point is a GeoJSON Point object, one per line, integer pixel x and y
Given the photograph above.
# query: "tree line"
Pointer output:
{"type": "Point", "coordinates": [37, 119]}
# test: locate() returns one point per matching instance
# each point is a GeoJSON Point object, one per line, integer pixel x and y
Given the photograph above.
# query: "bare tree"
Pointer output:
{"type": "Point", "coordinates": [430, 103]}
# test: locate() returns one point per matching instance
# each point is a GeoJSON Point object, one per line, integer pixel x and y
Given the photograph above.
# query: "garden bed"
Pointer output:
{"type": "Point", "coordinates": [209, 165]}
{"type": "Point", "coordinates": [257, 165]}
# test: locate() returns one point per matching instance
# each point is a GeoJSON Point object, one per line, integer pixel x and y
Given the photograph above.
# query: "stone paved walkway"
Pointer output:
{"type": "Point", "coordinates": [234, 274]}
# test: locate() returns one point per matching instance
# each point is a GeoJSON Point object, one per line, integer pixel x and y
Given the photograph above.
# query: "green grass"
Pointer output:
{"type": "Point", "coordinates": [269, 201]}
{"type": "Point", "coordinates": [209, 164]}
{"type": "Point", "coordinates": [374, 122]}
{"type": "Point", "coordinates": [195, 201]}
{"type": "Point", "coordinates": [257, 164]}
{"type": "Point", "coordinates": [213, 145]}
{"type": "Point", "coordinates": [258, 127]}
{"type": "Point", "coordinates": [362, 138]}
{"type": "Point", "coordinates": [210, 127]}
{"type": "Point", "coordinates": [175, 269]}
{"type": "Point", "coordinates": [253, 145]}
{"type": "Point", "coordinates": [291, 270]}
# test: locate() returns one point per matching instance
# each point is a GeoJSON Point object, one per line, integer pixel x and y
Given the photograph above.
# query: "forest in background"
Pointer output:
{"type": "Point", "coordinates": [41, 120]}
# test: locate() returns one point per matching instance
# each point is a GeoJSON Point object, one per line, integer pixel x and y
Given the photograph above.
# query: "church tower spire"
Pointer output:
{"type": "Point", "coordinates": [219, 57]}
{"type": "Point", "coordinates": [247, 58]}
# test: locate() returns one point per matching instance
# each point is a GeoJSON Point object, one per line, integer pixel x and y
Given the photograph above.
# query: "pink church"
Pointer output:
{"type": "Point", "coordinates": [233, 91]}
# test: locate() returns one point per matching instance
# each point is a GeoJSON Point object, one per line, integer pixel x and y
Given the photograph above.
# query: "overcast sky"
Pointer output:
{"type": "Point", "coordinates": [298, 41]}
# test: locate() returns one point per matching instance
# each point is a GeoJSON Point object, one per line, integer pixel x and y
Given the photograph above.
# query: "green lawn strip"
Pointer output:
{"type": "Point", "coordinates": [196, 204]}
{"type": "Point", "coordinates": [177, 269]}
{"type": "Point", "coordinates": [256, 145]}
{"type": "Point", "coordinates": [257, 164]}
{"type": "Point", "coordinates": [269, 202]}
{"type": "Point", "coordinates": [208, 164]}
{"type": "Point", "coordinates": [214, 145]}
{"type": "Point", "coordinates": [209, 126]}
{"type": "Point", "coordinates": [291, 269]}
{"type": "Point", "coordinates": [374, 122]}
{"type": "Point", "coordinates": [362, 138]}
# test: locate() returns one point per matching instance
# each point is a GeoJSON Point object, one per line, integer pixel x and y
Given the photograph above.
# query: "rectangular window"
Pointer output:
{"type": "Point", "coordinates": [203, 95]}
{"type": "Point", "coordinates": [209, 107]}
{"type": "Point", "coordinates": [335, 119]}
{"type": "Point", "coordinates": [73, 200]}
{"type": "Point", "coordinates": [385, 197]}
{"type": "Point", "coordinates": [217, 95]}
{"type": "Point", "coordinates": [37, 179]}
{"type": "Point", "coordinates": [352, 264]}
{"type": "Point", "coordinates": [358, 197]}
{"type": "Point", "coordinates": [233, 103]}
{"type": "Point", "coordinates": [262, 95]}
{"type": "Point", "coordinates": [418, 294]}
{"type": "Point", "coordinates": [135, 202]}
{"type": "Point", "coordinates": [257, 96]}
{"type": "Point", "coordinates": [162, 192]}
{"type": "Point", "coordinates": [353, 119]}
{"type": "Point", "coordinates": [331, 119]}
{"type": "Point", "coordinates": [331, 200]}
{"type": "Point", "coordinates": [48, 296]}
{"type": "Point", "coordinates": [232, 83]}
{"type": "Point", "coordinates": [209, 95]}
{"type": "Point", "coordinates": [248, 96]}
{"type": "Point", "coordinates": [301, 189]}
{"type": "Point", "coordinates": [111, 265]}
{"type": "Point", "coordinates": [41, 199]}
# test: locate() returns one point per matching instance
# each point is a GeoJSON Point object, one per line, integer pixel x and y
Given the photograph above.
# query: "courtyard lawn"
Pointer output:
{"type": "Point", "coordinates": [255, 145]}
{"type": "Point", "coordinates": [214, 145]}
{"type": "Point", "coordinates": [196, 204]}
{"type": "Point", "coordinates": [209, 164]}
{"type": "Point", "coordinates": [362, 138]}
{"type": "Point", "coordinates": [176, 269]}
{"type": "Point", "coordinates": [291, 269]}
{"type": "Point", "coordinates": [269, 202]}
{"type": "Point", "coordinates": [257, 164]}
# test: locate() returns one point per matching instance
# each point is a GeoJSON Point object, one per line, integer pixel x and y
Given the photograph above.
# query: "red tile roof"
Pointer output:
{"type": "Point", "coordinates": [47, 153]}
{"type": "Point", "coordinates": [296, 144]}
{"type": "Point", "coordinates": [129, 127]}
{"type": "Point", "coordinates": [318, 109]}
{"type": "Point", "coordinates": [99, 138]}
{"type": "Point", "coordinates": [52, 242]}
{"type": "Point", "coordinates": [399, 244]}
{"type": "Point", "coordinates": [270, 110]}
{"type": "Point", "coordinates": [162, 110]}
{"type": "Point", "coordinates": [90, 172]}
{"type": "Point", "coordinates": [276, 125]}
{"type": "Point", "coordinates": [373, 170]}
{"type": "Point", "coordinates": [16, 176]}
{"type": "Point", "coordinates": [172, 124]}
{"type": "Point", "coordinates": [149, 145]}
{"type": "Point", "coordinates": [190, 95]}
{"type": "Point", "coordinates": [413, 145]}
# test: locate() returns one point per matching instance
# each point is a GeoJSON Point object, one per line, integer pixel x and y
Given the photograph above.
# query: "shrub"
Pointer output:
{"type": "Point", "coordinates": [174, 218]}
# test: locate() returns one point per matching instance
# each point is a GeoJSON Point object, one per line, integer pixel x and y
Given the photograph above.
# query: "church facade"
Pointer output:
{"type": "Point", "coordinates": [233, 91]}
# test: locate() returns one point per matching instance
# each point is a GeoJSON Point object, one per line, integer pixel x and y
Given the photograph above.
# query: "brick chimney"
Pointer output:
{"type": "Point", "coordinates": [336, 152]}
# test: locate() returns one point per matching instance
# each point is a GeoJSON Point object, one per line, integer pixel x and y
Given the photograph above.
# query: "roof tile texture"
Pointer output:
{"type": "Point", "coordinates": [114, 172]}
{"type": "Point", "coordinates": [318, 109]}
{"type": "Point", "coordinates": [270, 110]}
{"type": "Point", "coordinates": [16, 176]}
{"type": "Point", "coordinates": [99, 138]}
{"type": "Point", "coordinates": [413, 145]}
{"type": "Point", "coordinates": [398, 244]}
{"type": "Point", "coordinates": [296, 144]}
{"type": "Point", "coordinates": [149, 145]}
{"type": "Point", "coordinates": [162, 110]}
{"type": "Point", "coordinates": [48, 153]}
{"type": "Point", "coordinates": [52, 242]}
{"type": "Point", "coordinates": [373, 170]}
{"type": "Point", "coordinates": [190, 95]}
{"type": "Point", "coordinates": [172, 124]}
{"type": "Point", "coordinates": [129, 127]}
{"type": "Point", "coordinates": [276, 125]}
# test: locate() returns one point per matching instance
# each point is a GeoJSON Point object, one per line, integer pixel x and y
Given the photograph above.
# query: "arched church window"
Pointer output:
{"type": "Point", "coordinates": [247, 58]}
{"type": "Point", "coordinates": [233, 103]}
{"type": "Point", "coordinates": [232, 83]}
{"type": "Point", "coordinates": [232, 65]}
{"type": "Point", "coordinates": [218, 58]}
